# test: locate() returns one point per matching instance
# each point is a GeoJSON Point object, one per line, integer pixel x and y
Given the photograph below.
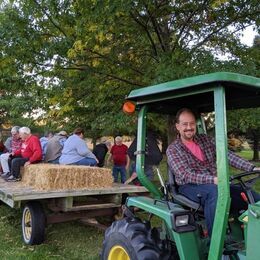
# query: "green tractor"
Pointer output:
{"type": "Point", "coordinates": [182, 234]}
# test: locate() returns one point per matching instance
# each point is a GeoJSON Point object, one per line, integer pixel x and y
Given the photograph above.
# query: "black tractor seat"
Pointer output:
{"type": "Point", "coordinates": [179, 198]}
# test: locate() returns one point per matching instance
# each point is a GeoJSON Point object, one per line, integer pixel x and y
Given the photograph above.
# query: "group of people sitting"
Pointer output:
{"type": "Point", "coordinates": [23, 148]}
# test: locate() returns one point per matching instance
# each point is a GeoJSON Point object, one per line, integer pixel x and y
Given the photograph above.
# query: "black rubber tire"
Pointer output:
{"type": "Point", "coordinates": [134, 237]}
{"type": "Point", "coordinates": [33, 223]}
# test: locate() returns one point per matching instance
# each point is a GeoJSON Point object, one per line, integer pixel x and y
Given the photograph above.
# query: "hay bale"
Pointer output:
{"type": "Point", "coordinates": [62, 177]}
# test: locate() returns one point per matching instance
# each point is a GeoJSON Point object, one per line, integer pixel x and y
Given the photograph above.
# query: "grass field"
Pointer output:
{"type": "Point", "coordinates": [70, 240]}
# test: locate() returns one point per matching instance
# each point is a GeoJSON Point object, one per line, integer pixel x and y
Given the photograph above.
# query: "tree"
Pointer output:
{"type": "Point", "coordinates": [85, 56]}
{"type": "Point", "coordinates": [248, 120]}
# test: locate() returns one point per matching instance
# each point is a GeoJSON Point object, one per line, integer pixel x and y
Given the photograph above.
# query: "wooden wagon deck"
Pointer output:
{"type": "Point", "coordinates": [43, 207]}
{"type": "Point", "coordinates": [13, 193]}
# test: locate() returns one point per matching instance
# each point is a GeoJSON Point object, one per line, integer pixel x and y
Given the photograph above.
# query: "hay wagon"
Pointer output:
{"type": "Point", "coordinates": [43, 207]}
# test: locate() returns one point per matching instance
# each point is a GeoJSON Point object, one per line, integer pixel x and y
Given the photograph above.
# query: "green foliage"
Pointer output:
{"type": "Point", "coordinates": [244, 119]}
{"type": "Point", "coordinates": [75, 61]}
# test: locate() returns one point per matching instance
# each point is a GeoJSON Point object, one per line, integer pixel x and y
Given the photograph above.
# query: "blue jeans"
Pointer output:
{"type": "Point", "coordinates": [121, 170]}
{"type": "Point", "coordinates": [16, 164]}
{"type": "Point", "coordinates": [209, 196]}
{"type": "Point", "coordinates": [86, 161]}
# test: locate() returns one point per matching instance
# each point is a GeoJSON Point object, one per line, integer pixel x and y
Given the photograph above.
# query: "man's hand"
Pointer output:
{"type": "Point", "coordinates": [215, 180]}
{"type": "Point", "coordinates": [129, 180]}
{"type": "Point", "coordinates": [256, 169]}
{"type": "Point", "coordinates": [27, 163]}
{"type": "Point", "coordinates": [133, 176]}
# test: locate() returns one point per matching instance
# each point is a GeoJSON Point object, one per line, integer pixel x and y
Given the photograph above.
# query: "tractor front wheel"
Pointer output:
{"type": "Point", "coordinates": [129, 239]}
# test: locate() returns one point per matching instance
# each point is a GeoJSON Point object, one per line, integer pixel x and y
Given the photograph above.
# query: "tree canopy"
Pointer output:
{"type": "Point", "coordinates": [67, 63]}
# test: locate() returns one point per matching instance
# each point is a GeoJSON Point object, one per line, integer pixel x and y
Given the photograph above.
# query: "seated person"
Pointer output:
{"type": "Point", "coordinates": [44, 141]}
{"type": "Point", "coordinates": [54, 147]}
{"type": "Point", "coordinates": [75, 150]}
{"type": "Point", "coordinates": [12, 144]}
{"type": "Point", "coordinates": [2, 146]}
{"type": "Point", "coordinates": [192, 158]}
{"type": "Point", "coordinates": [100, 152]}
{"type": "Point", "coordinates": [30, 152]}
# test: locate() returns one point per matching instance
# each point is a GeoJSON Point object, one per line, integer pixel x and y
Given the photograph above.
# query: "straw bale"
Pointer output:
{"type": "Point", "coordinates": [62, 177]}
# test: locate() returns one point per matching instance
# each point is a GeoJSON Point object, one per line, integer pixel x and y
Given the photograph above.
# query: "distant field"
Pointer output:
{"type": "Point", "coordinates": [70, 240]}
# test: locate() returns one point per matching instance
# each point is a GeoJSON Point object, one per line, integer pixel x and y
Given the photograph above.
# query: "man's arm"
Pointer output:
{"type": "Point", "coordinates": [133, 176]}
{"type": "Point", "coordinates": [82, 148]}
{"type": "Point", "coordinates": [7, 144]}
{"type": "Point", "coordinates": [127, 162]}
{"type": "Point", "coordinates": [240, 163]}
{"type": "Point", "coordinates": [235, 160]}
{"type": "Point", "coordinates": [36, 148]}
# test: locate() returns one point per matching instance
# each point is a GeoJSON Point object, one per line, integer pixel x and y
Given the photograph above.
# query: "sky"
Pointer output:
{"type": "Point", "coordinates": [248, 36]}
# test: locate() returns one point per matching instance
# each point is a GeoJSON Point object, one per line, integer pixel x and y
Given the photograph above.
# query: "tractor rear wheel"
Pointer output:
{"type": "Point", "coordinates": [129, 239]}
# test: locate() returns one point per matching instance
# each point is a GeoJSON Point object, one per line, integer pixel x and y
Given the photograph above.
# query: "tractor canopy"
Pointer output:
{"type": "Point", "coordinates": [241, 91]}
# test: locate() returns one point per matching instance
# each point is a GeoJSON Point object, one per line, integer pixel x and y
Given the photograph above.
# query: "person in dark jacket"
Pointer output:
{"type": "Point", "coordinates": [100, 152]}
{"type": "Point", "coordinates": [153, 156]}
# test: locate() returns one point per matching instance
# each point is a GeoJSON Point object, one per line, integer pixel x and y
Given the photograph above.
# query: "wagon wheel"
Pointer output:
{"type": "Point", "coordinates": [33, 223]}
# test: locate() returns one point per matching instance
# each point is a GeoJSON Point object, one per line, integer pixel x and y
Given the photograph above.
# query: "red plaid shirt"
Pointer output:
{"type": "Point", "coordinates": [16, 144]}
{"type": "Point", "coordinates": [189, 169]}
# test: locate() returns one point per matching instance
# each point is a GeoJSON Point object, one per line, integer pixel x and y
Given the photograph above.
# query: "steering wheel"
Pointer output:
{"type": "Point", "coordinates": [246, 184]}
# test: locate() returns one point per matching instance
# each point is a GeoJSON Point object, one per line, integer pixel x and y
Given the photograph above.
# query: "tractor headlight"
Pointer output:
{"type": "Point", "coordinates": [183, 221]}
